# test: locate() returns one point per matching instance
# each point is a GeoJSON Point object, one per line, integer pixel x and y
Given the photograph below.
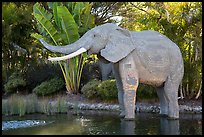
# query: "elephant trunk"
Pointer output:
{"type": "Point", "coordinates": [71, 50]}
{"type": "Point", "coordinates": [67, 49]}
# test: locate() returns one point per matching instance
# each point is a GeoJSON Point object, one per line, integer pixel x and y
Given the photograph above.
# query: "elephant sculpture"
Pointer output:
{"type": "Point", "coordinates": [106, 70]}
{"type": "Point", "coordinates": [145, 56]}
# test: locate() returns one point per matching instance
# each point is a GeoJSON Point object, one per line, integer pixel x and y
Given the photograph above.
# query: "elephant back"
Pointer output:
{"type": "Point", "coordinates": [153, 50]}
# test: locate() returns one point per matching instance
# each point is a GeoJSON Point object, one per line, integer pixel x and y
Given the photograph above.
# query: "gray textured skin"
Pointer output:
{"type": "Point", "coordinates": [106, 70]}
{"type": "Point", "coordinates": [146, 56]}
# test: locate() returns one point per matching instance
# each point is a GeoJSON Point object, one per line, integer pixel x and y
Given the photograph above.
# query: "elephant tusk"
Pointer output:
{"type": "Point", "coordinates": [78, 52]}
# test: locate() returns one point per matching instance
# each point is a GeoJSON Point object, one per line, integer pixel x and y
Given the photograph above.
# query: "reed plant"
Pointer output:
{"type": "Point", "coordinates": [32, 105]}
{"type": "Point", "coordinates": [61, 105]}
{"type": "Point", "coordinates": [45, 106]}
{"type": "Point", "coordinates": [13, 104]}
{"type": "Point", "coordinates": [5, 107]}
{"type": "Point", "coordinates": [21, 105]}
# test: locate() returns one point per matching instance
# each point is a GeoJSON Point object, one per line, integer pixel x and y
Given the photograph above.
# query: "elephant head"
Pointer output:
{"type": "Point", "coordinates": [107, 40]}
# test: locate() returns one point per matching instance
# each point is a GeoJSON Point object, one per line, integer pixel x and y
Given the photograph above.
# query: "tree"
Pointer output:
{"type": "Point", "coordinates": [104, 11]}
{"type": "Point", "coordinates": [16, 27]}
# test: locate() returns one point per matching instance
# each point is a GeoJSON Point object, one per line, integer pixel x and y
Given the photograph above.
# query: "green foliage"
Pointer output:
{"type": "Point", "coordinates": [90, 90]}
{"type": "Point", "coordinates": [62, 25]}
{"type": "Point", "coordinates": [37, 73]}
{"type": "Point", "coordinates": [15, 81]}
{"type": "Point", "coordinates": [16, 28]}
{"type": "Point", "coordinates": [49, 87]}
{"type": "Point", "coordinates": [146, 92]}
{"type": "Point", "coordinates": [107, 90]}
{"type": "Point", "coordinates": [104, 11]}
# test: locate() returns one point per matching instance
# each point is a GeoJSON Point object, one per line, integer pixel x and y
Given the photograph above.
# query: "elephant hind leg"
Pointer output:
{"type": "Point", "coordinates": [171, 94]}
{"type": "Point", "coordinates": [163, 101]}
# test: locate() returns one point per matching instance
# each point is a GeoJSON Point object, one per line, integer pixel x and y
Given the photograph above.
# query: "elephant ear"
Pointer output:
{"type": "Point", "coordinates": [118, 46]}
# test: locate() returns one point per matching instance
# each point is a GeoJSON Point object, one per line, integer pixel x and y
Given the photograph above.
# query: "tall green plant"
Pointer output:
{"type": "Point", "coordinates": [62, 24]}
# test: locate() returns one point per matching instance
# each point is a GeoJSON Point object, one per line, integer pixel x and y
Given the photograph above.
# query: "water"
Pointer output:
{"type": "Point", "coordinates": [108, 123]}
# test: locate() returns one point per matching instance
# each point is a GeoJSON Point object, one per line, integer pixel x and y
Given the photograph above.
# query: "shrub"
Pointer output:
{"type": "Point", "coordinates": [146, 92]}
{"type": "Point", "coordinates": [37, 73]}
{"type": "Point", "coordinates": [107, 89]}
{"type": "Point", "coordinates": [90, 90]}
{"type": "Point", "coordinates": [15, 81]}
{"type": "Point", "coordinates": [49, 87]}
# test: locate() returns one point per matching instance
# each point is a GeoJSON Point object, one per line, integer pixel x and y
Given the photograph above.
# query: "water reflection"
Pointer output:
{"type": "Point", "coordinates": [148, 124]}
{"type": "Point", "coordinates": [128, 127]}
{"type": "Point", "coordinates": [110, 124]}
{"type": "Point", "coordinates": [169, 126]}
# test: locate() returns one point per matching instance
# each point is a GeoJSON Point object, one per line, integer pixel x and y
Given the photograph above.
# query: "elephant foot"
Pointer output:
{"type": "Point", "coordinates": [122, 115]}
{"type": "Point", "coordinates": [172, 118]}
{"type": "Point", "coordinates": [129, 119]}
{"type": "Point", "coordinates": [163, 115]}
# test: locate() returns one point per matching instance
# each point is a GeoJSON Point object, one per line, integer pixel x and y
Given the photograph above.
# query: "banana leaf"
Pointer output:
{"type": "Point", "coordinates": [87, 19]}
{"type": "Point", "coordinates": [76, 13]}
{"type": "Point", "coordinates": [55, 13]}
{"type": "Point", "coordinates": [49, 28]}
{"type": "Point", "coordinates": [68, 24]}
{"type": "Point", "coordinates": [38, 9]}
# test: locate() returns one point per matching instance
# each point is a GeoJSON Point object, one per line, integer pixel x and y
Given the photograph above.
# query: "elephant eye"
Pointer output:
{"type": "Point", "coordinates": [94, 35]}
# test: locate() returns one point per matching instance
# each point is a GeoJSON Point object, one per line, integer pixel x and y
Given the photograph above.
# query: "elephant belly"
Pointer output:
{"type": "Point", "coordinates": [156, 82]}
{"type": "Point", "coordinates": [151, 72]}
{"type": "Point", "coordinates": [152, 78]}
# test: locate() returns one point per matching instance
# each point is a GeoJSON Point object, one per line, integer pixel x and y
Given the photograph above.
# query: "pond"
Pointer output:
{"type": "Point", "coordinates": [91, 122]}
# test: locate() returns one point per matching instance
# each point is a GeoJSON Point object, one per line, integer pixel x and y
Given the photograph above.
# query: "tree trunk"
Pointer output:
{"type": "Point", "coordinates": [187, 92]}
{"type": "Point", "coordinates": [181, 92]}
{"type": "Point", "coordinates": [199, 91]}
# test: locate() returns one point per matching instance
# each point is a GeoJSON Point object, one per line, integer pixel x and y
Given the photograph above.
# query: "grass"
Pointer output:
{"type": "Point", "coordinates": [21, 105]}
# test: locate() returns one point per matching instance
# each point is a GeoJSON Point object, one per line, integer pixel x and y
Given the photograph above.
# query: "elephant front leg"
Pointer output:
{"type": "Point", "coordinates": [130, 83]}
